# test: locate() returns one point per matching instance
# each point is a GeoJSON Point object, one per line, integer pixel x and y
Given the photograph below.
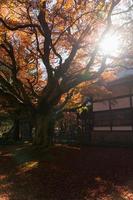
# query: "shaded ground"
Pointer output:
{"type": "Point", "coordinates": [66, 173]}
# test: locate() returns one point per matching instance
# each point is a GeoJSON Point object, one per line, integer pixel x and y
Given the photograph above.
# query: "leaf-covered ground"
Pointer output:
{"type": "Point", "coordinates": [66, 173]}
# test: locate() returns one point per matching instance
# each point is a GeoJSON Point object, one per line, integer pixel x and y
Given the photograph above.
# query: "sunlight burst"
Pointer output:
{"type": "Point", "coordinates": [110, 45]}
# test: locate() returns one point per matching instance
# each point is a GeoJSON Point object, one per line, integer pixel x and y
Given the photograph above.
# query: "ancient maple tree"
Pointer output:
{"type": "Point", "coordinates": [48, 48]}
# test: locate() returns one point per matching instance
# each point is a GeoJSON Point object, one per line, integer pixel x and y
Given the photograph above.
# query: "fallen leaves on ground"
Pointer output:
{"type": "Point", "coordinates": [66, 173]}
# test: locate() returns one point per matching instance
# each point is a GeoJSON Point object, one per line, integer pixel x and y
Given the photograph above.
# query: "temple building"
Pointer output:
{"type": "Point", "coordinates": [113, 116]}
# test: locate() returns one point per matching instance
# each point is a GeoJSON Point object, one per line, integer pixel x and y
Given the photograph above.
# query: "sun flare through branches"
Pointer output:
{"type": "Point", "coordinates": [110, 45]}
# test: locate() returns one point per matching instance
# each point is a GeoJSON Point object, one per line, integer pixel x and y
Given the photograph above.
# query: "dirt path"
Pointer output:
{"type": "Point", "coordinates": [66, 173]}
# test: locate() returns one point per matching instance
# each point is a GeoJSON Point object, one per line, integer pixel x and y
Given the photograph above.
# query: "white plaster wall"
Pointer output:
{"type": "Point", "coordinates": [114, 128]}
{"type": "Point", "coordinates": [122, 128]}
{"type": "Point", "coordinates": [104, 128]}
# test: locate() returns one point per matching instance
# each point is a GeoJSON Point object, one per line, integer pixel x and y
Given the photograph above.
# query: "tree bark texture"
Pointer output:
{"type": "Point", "coordinates": [41, 136]}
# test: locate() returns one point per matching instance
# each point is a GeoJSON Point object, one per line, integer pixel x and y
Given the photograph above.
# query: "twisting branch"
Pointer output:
{"type": "Point", "coordinates": [62, 69]}
{"type": "Point", "coordinates": [72, 81]}
{"type": "Point", "coordinates": [35, 32]}
{"type": "Point", "coordinates": [19, 26]}
{"type": "Point", "coordinates": [47, 42]}
{"type": "Point", "coordinates": [10, 97]}
{"type": "Point", "coordinates": [68, 97]}
{"type": "Point", "coordinates": [108, 26]}
{"type": "Point", "coordinates": [10, 50]}
{"type": "Point", "coordinates": [32, 89]}
{"type": "Point", "coordinates": [71, 25]}
{"type": "Point", "coordinates": [5, 65]}
{"type": "Point", "coordinates": [9, 88]}
{"type": "Point", "coordinates": [57, 54]}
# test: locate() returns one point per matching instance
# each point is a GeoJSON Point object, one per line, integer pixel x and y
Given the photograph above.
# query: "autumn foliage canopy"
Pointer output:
{"type": "Point", "coordinates": [49, 47]}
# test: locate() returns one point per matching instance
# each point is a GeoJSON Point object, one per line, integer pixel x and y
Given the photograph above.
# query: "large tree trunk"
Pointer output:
{"type": "Point", "coordinates": [51, 131]}
{"type": "Point", "coordinates": [41, 136]}
{"type": "Point", "coordinates": [15, 130]}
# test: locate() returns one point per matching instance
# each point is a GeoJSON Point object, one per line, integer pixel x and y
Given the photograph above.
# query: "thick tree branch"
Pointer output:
{"type": "Point", "coordinates": [9, 88]}
{"type": "Point", "coordinates": [47, 42]}
{"type": "Point", "coordinates": [18, 26]}
{"type": "Point", "coordinates": [9, 97]}
{"type": "Point", "coordinates": [19, 86]}
{"type": "Point", "coordinates": [62, 105]}
{"type": "Point", "coordinates": [5, 65]}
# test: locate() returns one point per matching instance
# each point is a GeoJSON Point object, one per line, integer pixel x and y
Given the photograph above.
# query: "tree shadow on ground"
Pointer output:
{"type": "Point", "coordinates": [66, 173]}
